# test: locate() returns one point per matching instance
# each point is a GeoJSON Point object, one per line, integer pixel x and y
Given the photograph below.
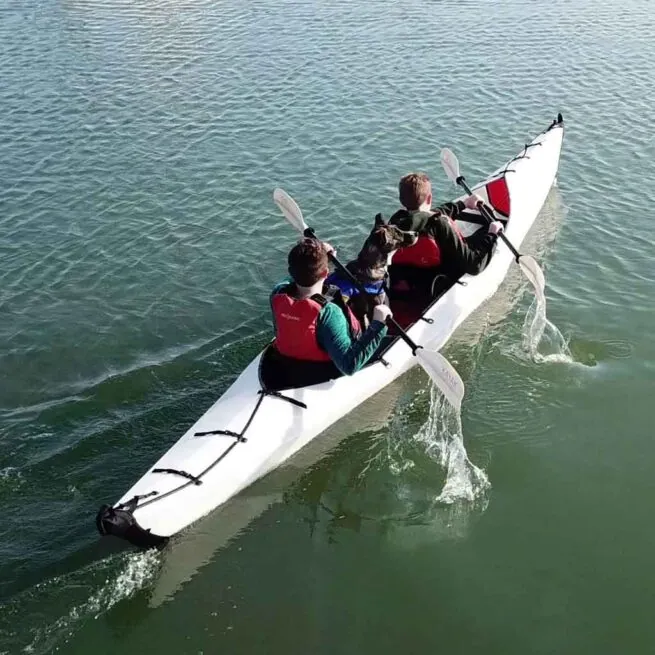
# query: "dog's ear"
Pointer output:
{"type": "Point", "coordinates": [379, 221]}
{"type": "Point", "coordinates": [385, 237]}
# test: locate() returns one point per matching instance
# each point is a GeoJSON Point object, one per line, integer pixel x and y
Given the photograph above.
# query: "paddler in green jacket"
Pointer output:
{"type": "Point", "coordinates": [441, 246]}
{"type": "Point", "coordinates": [313, 325]}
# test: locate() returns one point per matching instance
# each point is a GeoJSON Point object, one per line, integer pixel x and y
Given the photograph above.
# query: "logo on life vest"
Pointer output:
{"type": "Point", "coordinates": [289, 316]}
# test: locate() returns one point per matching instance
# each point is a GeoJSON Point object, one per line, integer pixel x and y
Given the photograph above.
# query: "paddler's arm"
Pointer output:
{"type": "Point", "coordinates": [455, 209]}
{"type": "Point", "coordinates": [333, 335]}
{"type": "Point", "coordinates": [452, 209]}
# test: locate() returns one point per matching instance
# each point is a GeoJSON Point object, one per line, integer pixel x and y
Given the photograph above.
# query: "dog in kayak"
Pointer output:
{"type": "Point", "coordinates": [370, 268]}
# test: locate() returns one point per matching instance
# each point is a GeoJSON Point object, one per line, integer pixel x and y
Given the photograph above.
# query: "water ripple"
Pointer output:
{"type": "Point", "coordinates": [138, 241]}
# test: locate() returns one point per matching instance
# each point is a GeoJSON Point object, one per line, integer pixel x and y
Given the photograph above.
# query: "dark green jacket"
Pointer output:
{"type": "Point", "coordinates": [458, 256]}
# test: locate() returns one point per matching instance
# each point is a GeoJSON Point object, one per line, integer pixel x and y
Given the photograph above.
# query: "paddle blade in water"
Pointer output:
{"type": "Point", "coordinates": [289, 207]}
{"type": "Point", "coordinates": [450, 164]}
{"type": "Point", "coordinates": [443, 374]}
{"type": "Point", "coordinates": [535, 275]}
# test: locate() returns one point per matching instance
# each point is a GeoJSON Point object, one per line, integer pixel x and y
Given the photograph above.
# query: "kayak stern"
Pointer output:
{"type": "Point", "coordinates": [120, 522]}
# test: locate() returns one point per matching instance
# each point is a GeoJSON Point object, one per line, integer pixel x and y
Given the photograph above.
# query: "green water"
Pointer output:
{"type": "Point", "coordinates": [140, 146]}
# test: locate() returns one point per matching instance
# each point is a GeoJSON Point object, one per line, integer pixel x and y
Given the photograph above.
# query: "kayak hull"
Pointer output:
{"type": "Point", "coordinates": [249, 432]}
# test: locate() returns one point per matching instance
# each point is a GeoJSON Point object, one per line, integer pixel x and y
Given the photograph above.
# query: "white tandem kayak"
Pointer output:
{"type": "Point", "coordinates": [251, 430]}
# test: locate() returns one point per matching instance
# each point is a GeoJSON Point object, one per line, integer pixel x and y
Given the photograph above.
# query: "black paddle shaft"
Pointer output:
{"type": "Point", "coordinates": [488, 215]}
{"type": "Point", "coordinates": [309, 232]}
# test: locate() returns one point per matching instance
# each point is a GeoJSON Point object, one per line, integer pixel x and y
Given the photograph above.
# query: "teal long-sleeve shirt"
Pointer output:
{"type": "Point", "coordinates": [333, 335]}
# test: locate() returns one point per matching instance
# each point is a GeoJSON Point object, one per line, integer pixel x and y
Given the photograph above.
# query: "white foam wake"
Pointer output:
{"type": "Point", "coordinates": [542, 340]}
{"type": "Point", "coordinates": [51, 612]}
{"type": "Point", "coordinates": [442, 437]}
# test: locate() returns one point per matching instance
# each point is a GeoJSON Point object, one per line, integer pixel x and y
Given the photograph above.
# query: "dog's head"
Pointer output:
{"type": "Point", "coordinates": [382, 243]}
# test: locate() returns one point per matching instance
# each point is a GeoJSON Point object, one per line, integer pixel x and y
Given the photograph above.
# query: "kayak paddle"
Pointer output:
{"type": "Point", "coordinates": [528, 264]}
{"type": "Point", "coordinates": [440, 370]}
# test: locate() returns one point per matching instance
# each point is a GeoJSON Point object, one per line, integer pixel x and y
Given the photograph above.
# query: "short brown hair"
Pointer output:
{"type": "Point", "coordinates": [308, 262]}
{"type": "Point", "coordinates": [413, 190]}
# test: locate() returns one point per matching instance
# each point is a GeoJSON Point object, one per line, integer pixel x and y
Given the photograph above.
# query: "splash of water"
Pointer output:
{"type": "Point", "coordinates": [542, 340]}
{"type": "Point", "coordinates": [71, 600]}
{"type": "Point", "coordinates": [442, 437]}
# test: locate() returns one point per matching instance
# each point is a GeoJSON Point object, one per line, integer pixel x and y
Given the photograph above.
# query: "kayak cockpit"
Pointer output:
{"type": "Point", "coordinates": [413, 291]}
{"type": "Point", "coordinates": [278, 372]}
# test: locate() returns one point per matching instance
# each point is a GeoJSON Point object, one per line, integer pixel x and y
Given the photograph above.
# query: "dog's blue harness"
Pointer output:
{"type": "Point", "coordinates": [348, 289]}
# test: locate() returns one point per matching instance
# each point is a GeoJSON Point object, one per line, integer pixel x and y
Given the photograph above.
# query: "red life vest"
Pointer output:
{"type": "Point", "coordinates": [296, 322]}
{"type": "Point", "coordinates": [425, 253]}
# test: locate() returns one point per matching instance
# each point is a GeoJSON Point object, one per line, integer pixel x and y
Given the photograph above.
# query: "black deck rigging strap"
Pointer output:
{"type": "Point", "coordinates": [197, 479]}
{"type": "Point", "coordinates": [524, 154]}
{"type": "Point", "coordinates": [226, 433]}
{"type": "Point", "coordinates": [132, 503]}
{"type": "Point", "coordinates": [184, 474]}
{"type": "Point", "coordinates": [277, 394]}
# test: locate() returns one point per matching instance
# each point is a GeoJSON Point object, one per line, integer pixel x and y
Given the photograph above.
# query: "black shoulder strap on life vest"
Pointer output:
{"type": "Point", "coordinates": [320, 299]}
{"type": "Point", "coordinates": [332, 293]}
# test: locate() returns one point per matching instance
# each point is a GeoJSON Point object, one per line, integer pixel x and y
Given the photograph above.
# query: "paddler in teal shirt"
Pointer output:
{"type": "Point", "coordinates": [313, 325]}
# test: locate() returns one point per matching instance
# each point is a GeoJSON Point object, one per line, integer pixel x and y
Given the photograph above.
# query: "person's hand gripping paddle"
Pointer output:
{"type": "Point", "coordinates": [440, 370]}
{"type": "Point", "coordinates": [528, 264]}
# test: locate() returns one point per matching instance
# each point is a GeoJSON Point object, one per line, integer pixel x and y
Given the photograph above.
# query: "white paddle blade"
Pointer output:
{"type": "Point", "coordinates": [444, 375]}
{"type": "Point", "coordinates": [450, 164]}
{"type": "Point", "coordinates": [289, 207]}
{"type": "Point", "coordinates": [535, 275]}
